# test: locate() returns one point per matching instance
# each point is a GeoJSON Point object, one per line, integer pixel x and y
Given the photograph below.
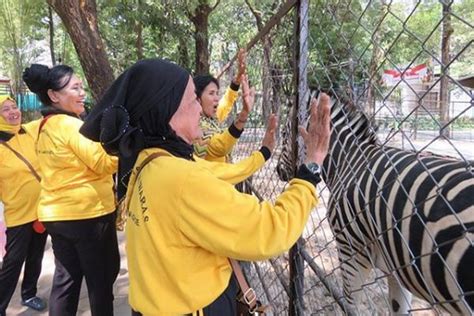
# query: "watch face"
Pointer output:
{"type": "Point", "coordinates": [313, 167]}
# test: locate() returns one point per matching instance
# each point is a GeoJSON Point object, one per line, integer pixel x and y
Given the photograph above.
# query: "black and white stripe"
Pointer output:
{"type": "Point", "coordinates": [410, 215]}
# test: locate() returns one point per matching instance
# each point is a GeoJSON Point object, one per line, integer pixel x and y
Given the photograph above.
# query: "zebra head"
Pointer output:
{"type": "Point", "coordinates": [346, 121]}
{"type": "Point", "coordinates": [352, 134]}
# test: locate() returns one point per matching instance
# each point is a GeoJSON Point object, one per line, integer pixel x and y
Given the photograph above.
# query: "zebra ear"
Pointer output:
{"type": "Point", "coordinates": [310, 94]}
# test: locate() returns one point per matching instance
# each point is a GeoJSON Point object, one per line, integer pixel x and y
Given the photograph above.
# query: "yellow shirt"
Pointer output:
{"type": "Point", "coordinates": [76, 173]}
{"type": "Point", "coordinates": [186, 218]}
{"type": "Point", "coordinates": [19, 189]}
{"type": "Point", "coordinates": [225, 104]}
{"type": "Point", "coordinates": [216, 144]}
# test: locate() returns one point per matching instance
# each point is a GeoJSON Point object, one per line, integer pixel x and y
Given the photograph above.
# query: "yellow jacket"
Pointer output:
{"type": "Point", "coordinates": [19, 189]}
{"type": "Point", "coordinates": [76, 173]}
{"type": "Point", "coordinates": [225, 104]}
{"type": "Point", "coordinates": [186, 218]}
{"type": "Point", "coordinates": [214, 146]}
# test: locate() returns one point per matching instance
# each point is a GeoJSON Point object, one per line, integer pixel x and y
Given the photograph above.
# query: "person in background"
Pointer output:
{"type": "Point", "coordinates": [77, 204]}
{"type": "Point", "coordinates": [180, 210]}
{"type": "Point", "coordinates": [215, 112]}
{"type": "Point", "coordinates": [19, 192]}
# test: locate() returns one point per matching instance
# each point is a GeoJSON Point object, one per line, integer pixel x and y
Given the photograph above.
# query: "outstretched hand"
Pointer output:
{"type": "Point", "coordinates": [248, 95]}
{"type": "Point", "coordinates": [241, 62]}
{"type": "Point", "coordinates": [316, 137]}
{"type": "Point", "coordinates": [269, 139]}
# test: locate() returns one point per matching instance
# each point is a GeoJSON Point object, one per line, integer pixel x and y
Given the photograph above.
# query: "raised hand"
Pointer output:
{"type": "Point", "coordinates": [242, 66]}
{"type": "Point", "coordinates": [318, 134]}
{"type": "Point", "coordinates": [269, 139]}
{"type": "Point", "coordinates": [248, 99]}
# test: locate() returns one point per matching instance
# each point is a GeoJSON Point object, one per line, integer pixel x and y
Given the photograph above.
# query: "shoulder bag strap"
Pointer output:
{"type": "Point", "coordinates": [27, 163]}
{"type": "Point", "coordinates": [248, 293]}
{"type": "Point", "coordinates": [139, 170]}
{"type": "Point", "coordinates": [43, 121]}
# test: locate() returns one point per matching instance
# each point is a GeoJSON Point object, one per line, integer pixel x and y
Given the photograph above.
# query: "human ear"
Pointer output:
{"type": "Point", "coordinates": [53, 96]}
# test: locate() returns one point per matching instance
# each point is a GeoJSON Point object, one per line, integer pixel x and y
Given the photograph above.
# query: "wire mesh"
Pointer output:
{"type": "Point", "coordinates": [402, 67]}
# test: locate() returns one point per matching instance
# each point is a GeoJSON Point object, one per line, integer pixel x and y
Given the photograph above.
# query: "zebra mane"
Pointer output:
{"type": "Point", "coordinates": [344, 112]}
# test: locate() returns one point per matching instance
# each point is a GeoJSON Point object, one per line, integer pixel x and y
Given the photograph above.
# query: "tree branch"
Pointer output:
{"type": "Point", "coordinates": [215, 5]}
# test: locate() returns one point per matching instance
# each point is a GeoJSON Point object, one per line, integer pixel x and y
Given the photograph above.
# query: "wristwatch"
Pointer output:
{"type": "Point", "coordinates": [314, 168]}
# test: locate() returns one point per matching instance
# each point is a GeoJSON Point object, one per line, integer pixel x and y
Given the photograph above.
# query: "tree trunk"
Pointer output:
{"type": "Point", "coordinates": [267, 79]}
{"type": "Point", "coordinates": [139, 40]}
{"type": "Point", "coordinates": [200, 19]}
{"type": "Point", "coordinates": [377, 55]}
{"type": "Point", "coordinates": [183, 58]}
{"type": "Point", "coordinates": [51, 35]}
{"type": "Point", "coordinates": [444, 82]}
{"type": "Point", "coordinates": [80, 19]}
{"type": "Point", "coordinates": [138, 28]}
{"type": "Point", "coordinates": [201, 38]}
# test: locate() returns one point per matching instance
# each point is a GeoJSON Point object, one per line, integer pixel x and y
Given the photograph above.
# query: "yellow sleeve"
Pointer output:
{"type": "Point", "coordinates": [225, 104]}
{"type": "Point", "coordinates": [216, 217]}
{"type": "Point", "coordinates": [220, 145]}
{"type": "Point", "coordinates": [234, 173]}
{"type": "Point", "coordinates": [91, 153]}
{"type": "Point", "coordinates": [32, 128]}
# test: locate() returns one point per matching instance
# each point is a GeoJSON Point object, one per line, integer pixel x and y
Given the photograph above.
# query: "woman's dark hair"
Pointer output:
{"type": "Point", "coordinates": [40, 78]}
{"type": "Point", "coordinates": [202, 81]}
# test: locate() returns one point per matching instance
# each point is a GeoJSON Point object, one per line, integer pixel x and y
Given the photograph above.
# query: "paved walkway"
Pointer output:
{"type": "Point", "coordinates": [44, 286]}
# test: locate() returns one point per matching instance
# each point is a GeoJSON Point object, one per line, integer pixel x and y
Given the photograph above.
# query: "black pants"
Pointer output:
{"type": "Point", "coordinates": [224, 305]}
{"type": "Point", "coordinates": [24, 245]}
{"type": "Point", "coordinates": [84, 248]}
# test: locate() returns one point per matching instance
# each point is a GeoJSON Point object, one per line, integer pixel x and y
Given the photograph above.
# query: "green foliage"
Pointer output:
{"type": "Point", "coordinates": [165, 31]}
{"type": "Point", "coordinates": [344, 35]}
{"type": "Point", "coordinates": [353, 42]}
{"type": "Point", "coordinates": [462, 23]}
{"type": "Point", "coordinates": [22, 28]}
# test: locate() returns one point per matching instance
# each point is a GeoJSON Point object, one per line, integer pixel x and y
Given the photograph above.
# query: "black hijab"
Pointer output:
{"type": "Point", "coordinates": [134, 114]}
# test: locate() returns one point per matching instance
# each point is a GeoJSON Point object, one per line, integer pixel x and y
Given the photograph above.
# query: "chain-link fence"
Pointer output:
{"type": "Point", "coordinates": [407, 65]}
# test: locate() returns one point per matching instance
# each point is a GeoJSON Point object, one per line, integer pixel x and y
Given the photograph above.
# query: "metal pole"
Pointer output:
{"type": "Point", "coordinates": [296, 264]}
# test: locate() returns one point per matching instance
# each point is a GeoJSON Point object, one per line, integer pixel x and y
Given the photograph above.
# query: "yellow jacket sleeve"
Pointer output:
{"type": "Point", "coordinates": [220, 145]}
{"type": "Point", "coordinates": [234, 173]}
{"type": "Point", "coordinates": [226, 222]}
{"type": "Point", "coordinates": [180, 212]}
{"type": "Point", "coordinates": [91, 153]}
{"type": "Point", "coordinates": [225, 104]}
{"type": "Point", "coordinates": [76, 181]}
{"type": "Point", "coordinates": [32, 128]}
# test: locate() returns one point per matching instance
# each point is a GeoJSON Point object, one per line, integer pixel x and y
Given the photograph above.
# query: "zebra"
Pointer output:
{"type": "Point", "coordinates": [405, 213]}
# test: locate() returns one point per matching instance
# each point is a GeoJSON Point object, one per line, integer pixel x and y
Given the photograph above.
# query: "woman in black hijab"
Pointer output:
{"type": "Point", "coordinates": [180, 210]}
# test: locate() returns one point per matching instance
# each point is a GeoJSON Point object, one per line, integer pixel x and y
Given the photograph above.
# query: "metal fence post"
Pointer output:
{"type": "Point", "coordinates": [296, 265]}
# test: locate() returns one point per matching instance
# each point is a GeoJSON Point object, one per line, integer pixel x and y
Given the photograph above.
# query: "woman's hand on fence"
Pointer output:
{"type": "Point", "coordinates": [242, 65]}
{"type": "Point", "coordinates": [316, 137]}
{"type": "Point", "coordinates": [269, 139]}
{"type": "Point", "coordinates": [248, 99]}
